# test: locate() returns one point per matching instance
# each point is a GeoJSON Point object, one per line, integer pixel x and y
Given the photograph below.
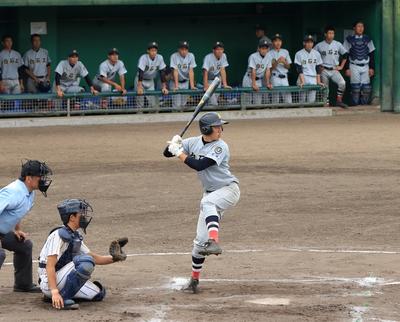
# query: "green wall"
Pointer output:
{"type": "Point", "coordinates": [130, 28]}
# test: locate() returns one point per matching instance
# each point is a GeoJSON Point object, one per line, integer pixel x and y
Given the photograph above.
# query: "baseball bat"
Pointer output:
{"type": "Point", "coordinates": [210, 91]}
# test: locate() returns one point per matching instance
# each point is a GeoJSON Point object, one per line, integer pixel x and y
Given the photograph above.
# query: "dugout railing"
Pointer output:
{"type": "Point", "coordinates": [154, 101]}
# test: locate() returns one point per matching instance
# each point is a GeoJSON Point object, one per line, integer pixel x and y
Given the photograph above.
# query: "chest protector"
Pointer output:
{"type": "Point", "coordinates": [74, 240]}
{"type": "Point", "coordinates": [359, 47]}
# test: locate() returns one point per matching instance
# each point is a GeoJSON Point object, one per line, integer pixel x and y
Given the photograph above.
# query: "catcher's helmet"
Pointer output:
{"type": "Point", "coordinates": [208, 120]}
{"type": "Point", "coordinates": [69, 207]}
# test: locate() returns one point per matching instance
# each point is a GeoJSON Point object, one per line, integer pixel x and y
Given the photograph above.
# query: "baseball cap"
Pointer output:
{"type": "Point", "coordinates": [277, 36]}
{"type": "Point", "coordinates": [218, 44]}
{"type": "Point", "coordinates": [152, 44]}
{"type": "Point", "coordinates": [184, 44]}
{"type": "Point", "coordinates": [73, 52]}
{"type": "Point", "coordinates": [263, 43]}
{"type": "Point", "coordinates": [308, 38]}
{"type": "Point", "coordinates": [113, 51]}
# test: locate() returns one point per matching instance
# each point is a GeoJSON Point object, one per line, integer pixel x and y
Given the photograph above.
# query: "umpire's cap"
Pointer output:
{"type": "Point", "coordinates": [263, 43]}
{"type": "Point", "coordinates": [152, 44]}
{"type": "Point", "coordinates": [183, 44]}
{"type": "Point", "coordinates": [113, 51]}
{"type": "Point", "coordinates": [73, 52]}
{"type": "Point", "coordinates": [308, 38]}
{"type": "Point", "coordinates": [218, 44]}
{"type": "Point", "coordinates": [277, 36]}
{"type": "Point", "coordinates": [208, 120]}
{"type": "Point", "coordinates": [35, 168]}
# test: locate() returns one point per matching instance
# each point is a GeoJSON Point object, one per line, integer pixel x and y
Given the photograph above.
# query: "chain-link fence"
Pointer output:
{"type": "Point", "coordinates": [154, 101]}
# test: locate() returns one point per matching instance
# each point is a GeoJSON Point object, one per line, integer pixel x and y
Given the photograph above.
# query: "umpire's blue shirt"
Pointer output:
{"type": "Point", "coordinates": [15, 203]}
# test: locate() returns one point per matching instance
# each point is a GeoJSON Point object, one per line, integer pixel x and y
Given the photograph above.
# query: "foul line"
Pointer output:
{"type": "Point", "coordinates": [245, 251]}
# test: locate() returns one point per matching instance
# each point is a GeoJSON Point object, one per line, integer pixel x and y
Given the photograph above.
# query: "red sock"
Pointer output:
{"type": "Point", "coordinates": [213, 234]}
{"type": "Point", "coordinates": [195, 275]}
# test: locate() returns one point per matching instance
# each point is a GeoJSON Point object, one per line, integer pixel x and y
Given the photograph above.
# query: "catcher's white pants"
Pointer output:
{"type": "Point", "coordinates": [214, 204]}
{"type": "Point", "coordinates": [148, 84]}
{"type": "Point", "coordinates": [359, 74]}
{"type": "Point", "coordinates": [88, 291]}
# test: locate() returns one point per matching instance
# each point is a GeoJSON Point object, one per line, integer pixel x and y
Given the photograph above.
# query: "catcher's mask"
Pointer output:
{"type": "Point", "coordinates": [35, 168]}
{"type": "Point", "coordinates": [70, 207]}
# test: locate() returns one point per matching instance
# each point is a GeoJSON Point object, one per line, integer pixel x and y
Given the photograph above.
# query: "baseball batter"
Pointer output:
{"type": "Point", "coordinates": [183, 63]}
{"type": "Point", "coordinates": [37, 67]}
{"type": "Point", "coordinates": [362, 64]}
{"type": "Point", "coordinates": [104, 81]}
{"type": "Point", "coordinates": [309, 66]}
{"type": "Point", "coordinates": [209, 155]}
{"type": "Point", "coordinates": [16, 200]}
{"type": "Point", "coordinates": [257, 74]}
{"type": "Point", "coordinates": [331, 51]}
{"type": "Point", "coordinates": [66, 263]}
{"type": "Point", "coordinates": [68, 76]}
{"type": "Point", "coordinates": [148, 66]}
{"type": "Point", "coordinates": [214, 65]}
{"type": "Point", "coordinates": [10, 68]}
{"type": "Point", "coordinates": [280, 60]}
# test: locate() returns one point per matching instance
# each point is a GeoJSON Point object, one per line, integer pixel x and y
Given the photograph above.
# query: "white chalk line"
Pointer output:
{"type": "Point", "coordinates": [245, 251]}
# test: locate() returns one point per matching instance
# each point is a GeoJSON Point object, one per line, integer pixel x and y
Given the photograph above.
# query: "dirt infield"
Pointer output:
{"type": "Point", "coordinates": [315, 236]}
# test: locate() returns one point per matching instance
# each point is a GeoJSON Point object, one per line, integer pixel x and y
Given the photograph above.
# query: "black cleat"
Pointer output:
{"type": "Point", "coordinates": [192, 286]}
{"type": "Point", "coordinates": [211, 248]}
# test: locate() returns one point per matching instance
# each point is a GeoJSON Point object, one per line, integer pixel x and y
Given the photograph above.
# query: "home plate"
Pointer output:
{"type": "Point", "coordinates": [270, 301]}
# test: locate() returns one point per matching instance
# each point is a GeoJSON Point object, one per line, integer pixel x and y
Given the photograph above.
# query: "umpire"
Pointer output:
{"type": "Point", "coordinates": [16, 200]}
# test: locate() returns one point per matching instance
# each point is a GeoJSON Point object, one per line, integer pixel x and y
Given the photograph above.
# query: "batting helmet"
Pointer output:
{"type": "Point", "coordinates": [208, 120]}
{"type": "Point", "coordinates": [69, 207]}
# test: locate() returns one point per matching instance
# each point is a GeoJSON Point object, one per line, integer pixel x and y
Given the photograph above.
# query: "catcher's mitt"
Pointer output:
{"type": "Point", "coordinates": [116, 250]}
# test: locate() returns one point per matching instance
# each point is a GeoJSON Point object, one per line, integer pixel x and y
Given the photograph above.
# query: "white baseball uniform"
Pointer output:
{"type": "Point", "coordinates": [109, 71]}
{"type": "Point", "coordinates": [54, 245]}
{"type": "Point", "coordinates": [10, 62]}
{"type": "Point", "coordinates": [70, 76]}
{"type": "Point", "coordinates": [37, 62]}
{"type": "Point", "coordinates": [150, 68]}
{"type": "Point", "coordinates": [308, 60]}
{"type": "Point", "coordinates": [330, 54]}
{"type": "Point", "coordinates": [259, 64]}
{"type": "Point", "coordinates": [183, 65]}
{"type": "Point", "coordinates": [279, 75]}
{"type": "Point", "coordinates": [213, 67]}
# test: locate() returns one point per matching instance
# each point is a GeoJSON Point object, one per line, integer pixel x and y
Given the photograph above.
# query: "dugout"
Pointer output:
{"type": "Point", "coordinates": [93, 26]}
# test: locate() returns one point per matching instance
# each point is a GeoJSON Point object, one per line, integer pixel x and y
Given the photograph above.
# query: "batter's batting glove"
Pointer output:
{"type": "Point", "coordinates": [116, 250]}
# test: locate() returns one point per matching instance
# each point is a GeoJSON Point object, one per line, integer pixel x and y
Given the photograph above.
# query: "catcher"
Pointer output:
{"type": "Point", "coordinates": [66, 263]}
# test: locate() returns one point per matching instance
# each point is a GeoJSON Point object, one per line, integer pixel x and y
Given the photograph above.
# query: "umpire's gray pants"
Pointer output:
{"type": "Point", "coordinates": [22, 259]}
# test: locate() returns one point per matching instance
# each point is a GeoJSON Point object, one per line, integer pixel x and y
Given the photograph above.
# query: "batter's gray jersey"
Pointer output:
{"type": "Point", "coordinates": [330, 52]}
{"type": "Point", "coordinates": [109, 71]}
{"type": "Point", "coordinates": [308, 61]}
{"type": "Point", "coordinates": [71, 75]}
{"type": "Point", "coordinates": [182, 64]}
{"type": "Point", "coordinates": [150, 67]}
{"type": "Point", "coordinates": [218, 175]}
{"type": "Point", "coordinates": [213, 65]}
{"type": "Point", "coordinates": [259, 64]}
{"type": "Point", "coordinates": [10, 61]}
{"type": "Point", "coordinates": [37, 61]}
{"type": "Point", "coordinates": [276, 54]}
